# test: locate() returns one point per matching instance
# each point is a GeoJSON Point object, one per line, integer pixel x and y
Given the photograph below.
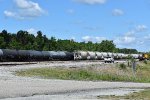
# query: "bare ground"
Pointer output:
{"type": "Point", "coordinates": [12, 86]}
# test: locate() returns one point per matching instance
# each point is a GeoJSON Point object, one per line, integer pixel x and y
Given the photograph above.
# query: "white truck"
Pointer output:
{"type": "Point", "coordinates": [109, 60]}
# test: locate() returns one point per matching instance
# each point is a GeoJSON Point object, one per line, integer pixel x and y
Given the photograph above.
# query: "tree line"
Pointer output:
{"type": "Point", "coordinates": [23, 40]}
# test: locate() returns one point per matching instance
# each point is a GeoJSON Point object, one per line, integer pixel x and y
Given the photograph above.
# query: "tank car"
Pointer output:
{"type": "Point", "coordinates": [81, 55]}
{"type": "Point", "coordinates": [1, 54]}
{"type": "Point", "coordinates": [135, 56]}
{"type": "Point", "coordinates": [104, 55]}
{"type": "Point", "coordinates": [54, 55]}
{"type": "Point", "coordinates": [110, 54]}
{"type": "Point", "coordinates": [69, 56]}
{"type": "Point", "coordinates": [23, 55]}
{"type": "Point", "coordinates": [120, 55]}
{"type": "Point", "coordinates": [61, 55]}
{"type": "Point", "coordinates": [35, 55]}
{"type": "Point", "coordinates": [99, 55]}
{"type": "Point", "coordinates": [91, 55]}
{"type": "Point", "coordinates": [9, 55]}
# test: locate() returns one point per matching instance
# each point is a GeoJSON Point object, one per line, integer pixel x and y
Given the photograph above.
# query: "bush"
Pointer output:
{"type": "Point", "coordinates": [145, 61]}
{"type": "Point", "coordinates": [122, 66]}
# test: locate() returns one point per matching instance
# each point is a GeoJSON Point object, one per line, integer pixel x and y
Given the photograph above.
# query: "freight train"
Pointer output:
{"type": "Point", "coordinates": [33, 55]}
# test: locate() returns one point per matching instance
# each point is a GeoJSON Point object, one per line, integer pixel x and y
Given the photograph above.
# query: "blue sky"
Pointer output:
{"type": "Point", "coordinates": [126, 22]}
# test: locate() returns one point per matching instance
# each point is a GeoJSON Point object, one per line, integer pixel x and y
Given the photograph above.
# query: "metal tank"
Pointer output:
{"type": "Point", "coordinates": [99, 55]}
{"type": "Point", "coordinates": [10, 55]}
{"type": "Point", "coordinates": [61, 55]}
{"type": "Point", "coordinates": [46, 55]}
{"type": "Point", "coordinates": [81, 55]}
{"type": "Point", "coordinates": [104, 54]}
{"type": "Point", "coordinates": [135, 56]}
{"type": "Point", "coordinates": [110, 54]}
{"type": "Point", "coordinates": [1, 54]}
{"type": "Point", "coordinates": [140, 56]}
{"type": "Point", "coordinates": [23, 55]}
{"type": "Point", "coordinates": [91, 55]}
{"type": "Point", "coordinates": [124, 56]}
{"type": "Point", "coordinates": [35, 55]}
{"type": "Point", "coordinates": [54, 55]}
{"type": "Point", "coordinates": [69, 56]}
{"type": "Point", "coordinates": [115, 55]}
{"type": "Point", "coordinates": [120, 55]}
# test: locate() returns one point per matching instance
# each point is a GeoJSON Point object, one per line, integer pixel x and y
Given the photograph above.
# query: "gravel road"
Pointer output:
{"type": "Point", "coordinates": [18, 88]}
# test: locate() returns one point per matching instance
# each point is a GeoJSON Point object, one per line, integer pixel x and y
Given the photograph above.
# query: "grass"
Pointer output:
{"type": "Point", "coordinates": [92, 73]}
{"type": "Point", "coordinates": [143, 95]}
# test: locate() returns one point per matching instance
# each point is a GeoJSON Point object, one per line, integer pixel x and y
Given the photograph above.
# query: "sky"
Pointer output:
{"type": "Point", "coordinates": [126, 22]}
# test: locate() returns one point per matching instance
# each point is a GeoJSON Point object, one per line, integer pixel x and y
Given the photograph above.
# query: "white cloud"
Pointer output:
{"type": "Point", "coordinates": [87, 38]}
{"type": "Point", "coordinates": [117, 12]}
{"type": "Point", "coordinates": [9, 13]}
{"type": "Point", "coordinates": [32, 31]}
{"type": "Point", "coordinates": [25, 9]}
{"type": "Point", "coordinates": [12, 14]}
{"type": "Point", "coordinates": [93, 39]}
{"type": "Point", "coordinates": [99, 39]}
{"type": "Point", "coordinates": [73, 38]}
{"type": "Point", "coordinates": [141, 28]}
{"type": "Point", "coordinates": [92, 2]}
{"type": "Point", "coordinates": [147, 37]}
{"type": "Point", "coordinates": [132, 38]}
{"type": "Point", "coordinates": [125, 40]}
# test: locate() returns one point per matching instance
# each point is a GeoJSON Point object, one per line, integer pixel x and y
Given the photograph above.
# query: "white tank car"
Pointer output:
{"type": "Point", "coordinates": [125, 56]}
{"type": "Point", "coordinates": [120, 55]}
{"type": "Point", "coordinates": [80, 55]}
{"type": "Point", "coordinates": [140, 55]}
{"type": "Point", "coordinates": [110, 54]}
{"type": "Point", "coordinates": [115, 55]}
{"type": "Point", "coordinates": [99, 55]}
{"type": "Point", "coordinates": [135, 56]}
{"type": "Point", "coordinates": [105, 54]}
{"type": "Point", "coordinates": [91, 55]}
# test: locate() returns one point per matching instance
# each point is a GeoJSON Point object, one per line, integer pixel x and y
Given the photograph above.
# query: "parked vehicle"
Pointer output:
{"type": "Point", "coordinates": [109, 59]}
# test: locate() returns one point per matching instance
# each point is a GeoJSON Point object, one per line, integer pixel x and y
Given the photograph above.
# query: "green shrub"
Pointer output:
{"type": "Point", "coordinates": [145, 61]}
{"type": "Point", "coordinates": [122, 66]}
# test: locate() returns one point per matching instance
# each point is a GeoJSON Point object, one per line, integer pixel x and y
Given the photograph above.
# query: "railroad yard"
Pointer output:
{"type": "Point", "coordinates": [13, 87]}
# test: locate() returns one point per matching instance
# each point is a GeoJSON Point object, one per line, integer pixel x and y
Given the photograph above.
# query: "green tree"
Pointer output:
{"type": "Point", "coordinates": [2, 42]}
{"type": "Point", "coordinates": [107, 46]}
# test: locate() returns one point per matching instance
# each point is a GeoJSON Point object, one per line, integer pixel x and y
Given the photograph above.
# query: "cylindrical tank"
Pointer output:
{"type": "Point", "coordinates": [124, 56]}
{"type": "Point", "coordinates": [11, 55]}
{"type": "Point", "coordinates": [35, 55]}
{"type": "Point", "coordinates": [81, 55]}
{"type": "Point", "coordinates": [91, 55]}
{"type": "Point", "coordinates": [105, 54]}
{"type": "Point", "coordinates": [69, 56]}
{"type": "Point", "coordinates": [46, 55]}
{"type": "Point", "coordinates": [140, 56]}
{"type": "Point", "coordinates": [115, 55]}
{"type": "Point", "coordinates": [110, 54]}
{"type": "Point", "coordinates": [1, 52]}
{"type": "Point", "coordinates": [61, 55]}
{"type": "Point", "coordinates": [119, 55]}
{"type": "Point", "coordinates": [23, 55]}
{"type": "Point", "coordinates": [99, 55]}
{"type": "Point", "coordinates": [135, 56]}
{"type": "Point", "coordinates": [54, 55]}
